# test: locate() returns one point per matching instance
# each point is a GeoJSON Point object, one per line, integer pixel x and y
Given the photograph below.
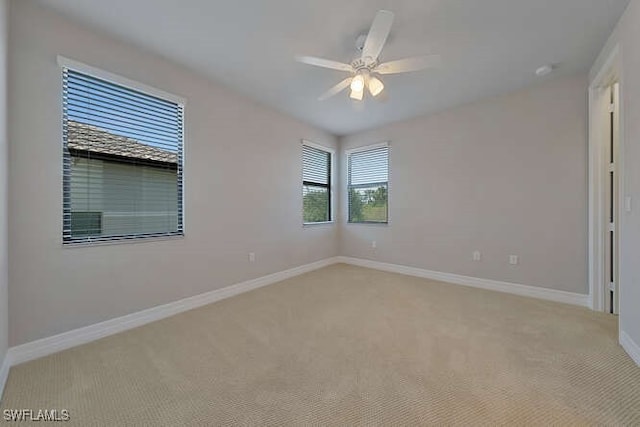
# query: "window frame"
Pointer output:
{"type": "Point", "coordinates": [90, 71]}
{"type": "Point", "coordinates": [348, 153]}
{"type": "Point", "coordinates": [330, 185]}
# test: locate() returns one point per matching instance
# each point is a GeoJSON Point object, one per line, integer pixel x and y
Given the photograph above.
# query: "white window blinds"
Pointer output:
{"type": "Point", "coordinates": [368, 184]}
{"type": "Point", "coordinates": [122, 162]}
{"type": "Point", "coordinates": [316, 184]}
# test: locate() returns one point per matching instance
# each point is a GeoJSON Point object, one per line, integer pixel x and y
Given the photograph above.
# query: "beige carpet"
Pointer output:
{"type": "Point", "coordinates": [347, 346]}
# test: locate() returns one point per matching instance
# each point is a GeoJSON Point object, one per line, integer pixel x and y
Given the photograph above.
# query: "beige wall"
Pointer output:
{"type": "Point", "coordinates": [503, 176]}
{"type": "Point", "coordinates": [4, 307]}
{"type": "Point", "coordinates": [626, 36]}
{"type": "Point", "coordinates": [242, 189]}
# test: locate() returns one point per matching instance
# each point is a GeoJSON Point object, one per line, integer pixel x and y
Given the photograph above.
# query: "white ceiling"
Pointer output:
{"type": "Point", "coordinates": [488, 47]}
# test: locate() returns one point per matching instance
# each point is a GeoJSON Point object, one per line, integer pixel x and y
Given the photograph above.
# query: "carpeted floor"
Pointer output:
{"type": "Point", "coordinates": [347, 346]}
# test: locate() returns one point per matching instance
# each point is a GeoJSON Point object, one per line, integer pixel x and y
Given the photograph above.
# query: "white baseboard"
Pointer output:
{"type": "Point", "coordinates": [4, 373]}
{"type": "Point", "coordinates": [46, 346]}
{"type": "Point", "coordinates": [493, 285]}
{"type": "Point", "coordinates": [630, 347]}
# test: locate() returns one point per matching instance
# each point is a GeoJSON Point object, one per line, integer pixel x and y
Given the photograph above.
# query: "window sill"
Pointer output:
{"type": "Point", "coordinates": [313, 224]}
{"type": "Point", "coordinates": [367, 223]}
{"type": "Point", "coordinates": [125, 241]}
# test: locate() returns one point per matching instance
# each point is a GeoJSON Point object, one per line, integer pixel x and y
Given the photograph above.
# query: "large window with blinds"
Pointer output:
{"type": "Point", "coordinates": [316, 184]}
{"type": "Point", "coordinates": [122, 161]}
{"type": "Point", "coordinates": [368, 184]}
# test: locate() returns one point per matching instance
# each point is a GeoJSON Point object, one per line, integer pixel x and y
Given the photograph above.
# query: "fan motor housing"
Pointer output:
{"type": "Point", "coordinates": [360, 64]}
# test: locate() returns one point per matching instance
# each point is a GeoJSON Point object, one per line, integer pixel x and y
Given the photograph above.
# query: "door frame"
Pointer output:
{"type": "Point", "coordinates": [610, 72]}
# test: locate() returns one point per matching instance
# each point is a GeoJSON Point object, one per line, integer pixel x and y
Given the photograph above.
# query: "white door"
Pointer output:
{"type": "Point", "coordinates": [611, 204]}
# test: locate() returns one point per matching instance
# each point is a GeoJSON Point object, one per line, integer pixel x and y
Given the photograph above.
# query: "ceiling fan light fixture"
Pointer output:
{"type": "Point", "coordinates": [357, 84]}
{"type": "Point", "coordinates": [357, 94]}
{"type": "Point", "coordinates": [375, 86]}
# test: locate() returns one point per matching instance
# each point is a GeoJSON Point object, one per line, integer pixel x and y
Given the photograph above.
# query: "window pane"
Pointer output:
{"type": "Point", "coordinates": [316, 165]}
{"type": "Point", "coordinates": [86, 223]}
{"type": "Point", "coordinates": [368, 177]}
{"type": "Point", "coordinates": [368, 204]}
{"type": "Point", "coordinates": [316, 184]}
{"type": "Point", "coordinates": [369, 166]}
{"type": "Point", "coordinates": [315, 204]}
{"type": "Point", "coordinates": [123, 161]}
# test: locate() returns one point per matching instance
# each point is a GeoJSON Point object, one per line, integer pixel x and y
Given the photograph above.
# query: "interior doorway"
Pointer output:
{"type": "Point", "coordinates": [605, 186]}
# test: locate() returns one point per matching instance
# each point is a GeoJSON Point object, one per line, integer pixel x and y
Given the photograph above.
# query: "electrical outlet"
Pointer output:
{"type": "Point", "coordinates": [374, 244]}
{"type": "Point", "coordinates": [513, 259]}
{"type": "Point", "coordinates": [477, 256]}
{"type": "Point", "coordinates": [252, 257]}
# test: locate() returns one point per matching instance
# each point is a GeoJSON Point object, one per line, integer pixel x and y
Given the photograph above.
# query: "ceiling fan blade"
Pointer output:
{"type": "Point", "coordinates": [336, 89]}
{"type": "Point", "coordinates": [377, 35]}
{"type": "Point", "coordinates": [324, 63]}
{"type": "Point", "coordinates": [406, 65]}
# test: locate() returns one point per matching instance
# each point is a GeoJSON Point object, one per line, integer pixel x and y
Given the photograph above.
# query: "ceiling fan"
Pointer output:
{"type": "Point", "coordinates": [364, 70]}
